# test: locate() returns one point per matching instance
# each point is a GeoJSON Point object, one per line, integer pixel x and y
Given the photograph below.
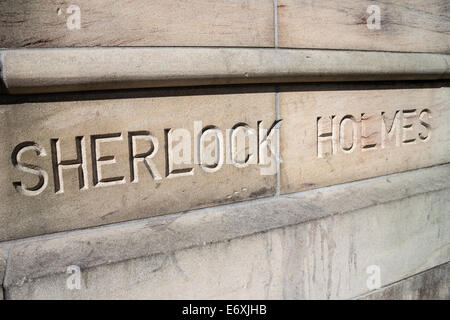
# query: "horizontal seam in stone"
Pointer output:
{"type": "Point", "coordinates": [219, 47]}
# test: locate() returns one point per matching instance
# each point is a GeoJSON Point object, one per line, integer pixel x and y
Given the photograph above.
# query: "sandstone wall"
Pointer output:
{"type": "Point", "coordinates": [200, 149]}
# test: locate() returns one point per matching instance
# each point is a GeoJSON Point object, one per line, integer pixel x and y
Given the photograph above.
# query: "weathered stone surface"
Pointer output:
{"type": "Point", "coordinates": [179, 231]}
{"type": "Point", "coordinates": [334, 258]}
{"type": "Point", "coordinates": [27, 71]}
{"type": "Point", "coordinates": [83, 186]}
{"type": "Point", "coordinates": [315, 244]}
{"type": "Point", "coordinates": [3, 257]}
{"type": "Point", "coordinates": [48, 23]}
{"type": "Point", "coordinates": [433, 284]}
{"type": "Point", "coordinates": [407, 25]}
{"type": "Point", "coordinates": [334, 136]}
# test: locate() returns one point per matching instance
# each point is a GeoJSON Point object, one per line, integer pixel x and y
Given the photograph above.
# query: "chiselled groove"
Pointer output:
{"type": "Point", "coordinates": [169, 172]}
{"type": "Point", "coordinates": [132, 156]}
{"type": "Point", "coordinates": [42, 176]}
{"type": "Point", "coordinates": [327, 134]}
{"type": "Point", "coordinates": [58, 164]}
{"type": "Point", "coordinates": [95, 141]}
{"type": "Point", "coordinates": [369, 146]}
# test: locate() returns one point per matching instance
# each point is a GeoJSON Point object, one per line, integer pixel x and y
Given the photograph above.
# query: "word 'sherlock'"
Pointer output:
{"type": "Point", "coordinates": [241, 146]}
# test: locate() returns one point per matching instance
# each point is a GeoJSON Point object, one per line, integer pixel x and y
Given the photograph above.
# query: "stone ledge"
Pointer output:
{"type": "Point", "coordinates": [46, 255]}
{"type": "Point", "coordinates": [300, 261]}
{"type": "Point", "coordinates": [27, 71]}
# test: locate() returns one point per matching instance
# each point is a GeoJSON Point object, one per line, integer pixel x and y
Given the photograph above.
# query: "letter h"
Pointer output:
{"type": "Point", "coordinates": [323, 136]}
{"type": "Point", "coordinates": [78, 163]}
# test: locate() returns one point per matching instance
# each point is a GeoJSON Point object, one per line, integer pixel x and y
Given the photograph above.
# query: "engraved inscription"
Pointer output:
{"type": "Point", "coordinates": [98, 161]}
{"type": "Point", "coordinates": [348, 131]}
{"type": "Point", "coordinates": [78, 163]}
{"type": "Point", "coordinates": [371, 131]}
{"type": "Point", "coordinates": [136, 158]}
{"type": "Point", "coordinates": [29, 168]}
{"type": "Point", "coordinates": [178, 153]}
{"type": "Point", "coordinates": [239, 146]}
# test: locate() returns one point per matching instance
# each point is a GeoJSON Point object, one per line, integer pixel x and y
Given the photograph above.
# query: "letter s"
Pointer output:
{"type": "Point", "coordinates": [29, 168]}
{"type": "Point", "coordinates": [427, 113]}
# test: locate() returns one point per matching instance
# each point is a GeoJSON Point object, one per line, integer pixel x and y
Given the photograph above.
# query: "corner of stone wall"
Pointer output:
{"type": "Point", "coordinates": [3, 259]}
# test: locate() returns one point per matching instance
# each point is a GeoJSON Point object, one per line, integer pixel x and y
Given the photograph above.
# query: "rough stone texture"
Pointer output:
{"type": "Point", "coordinates": [433, 284]}
{"type": "Point", "coordinates": [351, 148]}
{"type": "Point", "coordinates": [402, 238]}
{"type": "Point", "coordinates": [47, 23]}
{"type": "Point", "coordinates": [3, 258]}
{"type": "Point", "coordinates": [70, 207]}
{"type": "Point", "coordinates": [314, 244]}
{"type": "Point", "coordinates": [406, 25]}
{"type": "Point", "coordinates": [53, 70]}
{"type": "Point", "coordinates": [301, 24]}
